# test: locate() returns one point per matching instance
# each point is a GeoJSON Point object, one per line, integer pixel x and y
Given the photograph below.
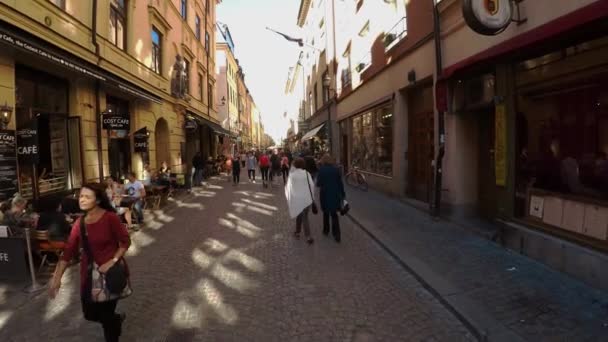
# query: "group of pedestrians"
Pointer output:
{"type": "Point", "coordinates": [305, 176]}
{"type": "Point", "coordinates": [271, 165]}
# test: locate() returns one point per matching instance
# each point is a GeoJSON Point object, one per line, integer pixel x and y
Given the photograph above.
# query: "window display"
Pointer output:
{"type": "Point", "coordinates": [372, 136]}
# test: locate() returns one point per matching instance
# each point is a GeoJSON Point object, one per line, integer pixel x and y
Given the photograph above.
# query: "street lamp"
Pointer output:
{"type": "Point", "coordinates": [6, 112]}
{"type": "Point", "coordinates": [326, 84]}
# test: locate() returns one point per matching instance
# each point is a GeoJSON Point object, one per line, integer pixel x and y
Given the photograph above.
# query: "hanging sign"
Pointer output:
{"type": "Point", "coordinates": [140, 140]}
{"type": "Point", "coordinates": [115, 122]}
{"type": "Point", "coordinates": [487, 17]}
{"type": "Point", "coordinates": [8, 164]}
{"type": "Point", "coordinates": [190, 125]}
{"type": "Point", "coordinates": [27, 143]}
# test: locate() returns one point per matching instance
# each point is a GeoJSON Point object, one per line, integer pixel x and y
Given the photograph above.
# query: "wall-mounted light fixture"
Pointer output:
{"type": "Point", "coordinates": [6, 112]}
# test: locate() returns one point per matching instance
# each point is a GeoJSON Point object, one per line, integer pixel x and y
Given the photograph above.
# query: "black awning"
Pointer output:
{"type": "Point", "coordinates": [21, 40]}
{"type": "Point", "coordinates": [217, 128]}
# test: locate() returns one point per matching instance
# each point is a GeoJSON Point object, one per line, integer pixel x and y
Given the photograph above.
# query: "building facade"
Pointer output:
{"type": "Point", "coordinates": [526, 126]}
{"type": "Point", "coordinates": [97, 75]}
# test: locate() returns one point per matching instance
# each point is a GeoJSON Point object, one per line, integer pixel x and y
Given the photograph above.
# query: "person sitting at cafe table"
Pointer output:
{"type": "Point", "coordinates": [52, 219]}
{"type": "Point", "coordinates": [114, 192]}
{"type": "Point", "coordinates": [15, 217]}
{"type": "Point", "coordinates": [147, 175]}
{"type": "Point", "coordinates": [136, 190]}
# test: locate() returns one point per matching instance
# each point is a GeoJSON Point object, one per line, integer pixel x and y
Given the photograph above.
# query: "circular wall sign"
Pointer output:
{"type": "Point", "coordinates": [487, 17]}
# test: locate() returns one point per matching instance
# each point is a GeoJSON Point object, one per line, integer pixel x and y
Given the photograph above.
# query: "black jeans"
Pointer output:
{"type": "Point", "coordinates": [236, 177]}
{"type": "Point", "coordinates": [285, 172]}
{"type": "Point", "coordinates": [335, 224]}
{"type": "Point", "coordinates": [251, 174]}
{"type": "Point", "coordinates": [104, 313]}
{"type": "Point", "coordinates": [264, 170]}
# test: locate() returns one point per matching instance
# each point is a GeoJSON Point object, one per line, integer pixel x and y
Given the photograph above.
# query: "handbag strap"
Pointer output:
{"type": "Point", "coordinates": [309, 189]}
{"type": "Point", "coordinates": [84, 242]}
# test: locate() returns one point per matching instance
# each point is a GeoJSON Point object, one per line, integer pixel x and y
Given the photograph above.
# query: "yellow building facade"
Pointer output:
{"type": "Point", "coordinates": [109, 85]}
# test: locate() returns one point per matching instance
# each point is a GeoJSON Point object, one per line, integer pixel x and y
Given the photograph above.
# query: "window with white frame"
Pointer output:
{"type": "Point", "coordinates": [118, 23]}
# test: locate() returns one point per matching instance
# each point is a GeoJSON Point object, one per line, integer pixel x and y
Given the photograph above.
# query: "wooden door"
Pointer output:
{"type": "Point", "coordinates": [421, 154]}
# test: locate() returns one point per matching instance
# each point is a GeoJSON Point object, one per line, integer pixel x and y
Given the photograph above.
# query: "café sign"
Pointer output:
{"type": "Point", "coordinates": [115, 122]}
{"type": "Point", "coordinates": [140, 140]}
{"type": "Point", "coordinates": [487, 17]}
{"type": "Point", "coordinates": [27, 143]}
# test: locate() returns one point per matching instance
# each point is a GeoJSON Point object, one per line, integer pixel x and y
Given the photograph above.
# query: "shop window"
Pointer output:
{"type": "Point", "coordinates": [372, 136]}
{"type": "Point", "coordinates": [156, 50]}
{"type": "Point", "coordinates": [118, 21]}
{"type": "Point", "coordinates": [42, 102]}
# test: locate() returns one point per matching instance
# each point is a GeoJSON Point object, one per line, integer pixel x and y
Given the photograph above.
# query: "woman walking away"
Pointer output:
{"type": "Point", "coordinates": [236, 170]}
{"type": "Point", "coordinates": [251, 165]}
{"type": "Point", "coordinates": [105, 241]}
{"type": "Point", "coordinates": [299, 192]}
{"type": "Point", "coordinates": [264, 167]}
{"type": "Point", "coordinates": [285, 167]}
{"type": "Point", "coordinates": [332, 195]}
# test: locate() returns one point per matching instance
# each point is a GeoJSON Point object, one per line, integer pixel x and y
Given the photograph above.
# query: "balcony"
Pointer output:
{"type": "Point", "coordinates": [395, 34]}
{"type": "Point", "coordinates": [364, 62]}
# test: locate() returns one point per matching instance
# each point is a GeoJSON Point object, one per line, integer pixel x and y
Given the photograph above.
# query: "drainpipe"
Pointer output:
{"type": "Point", "coordinates": [97, 90]}
{"type": "Point", "coordinates": [436, 210]}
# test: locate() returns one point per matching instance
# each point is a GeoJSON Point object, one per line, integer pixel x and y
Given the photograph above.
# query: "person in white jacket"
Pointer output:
{"type": "Point", "coordinates": [299, 192]}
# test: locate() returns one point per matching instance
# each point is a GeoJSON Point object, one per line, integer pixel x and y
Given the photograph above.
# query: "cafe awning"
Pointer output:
{"type": "Point", "coordinates": [310, 134]}
{"type": "Point", "coordinates": [21, 40]}
{"type": "Point", "coordinates": [217, 128]}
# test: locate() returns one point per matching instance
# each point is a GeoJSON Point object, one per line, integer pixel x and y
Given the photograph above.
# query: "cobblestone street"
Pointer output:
{"type": "Point", "coordinates": [221, 265]}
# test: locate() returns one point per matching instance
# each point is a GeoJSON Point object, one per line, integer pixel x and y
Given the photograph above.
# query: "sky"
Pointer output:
{"type": "Point", "coordinates": [265, 56]}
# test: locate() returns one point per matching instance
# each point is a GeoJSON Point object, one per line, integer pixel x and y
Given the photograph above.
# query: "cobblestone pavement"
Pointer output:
{"type": "Point", "coordinates": [530, 299]}
{"type": "Point", "coordinates": [222, 265]}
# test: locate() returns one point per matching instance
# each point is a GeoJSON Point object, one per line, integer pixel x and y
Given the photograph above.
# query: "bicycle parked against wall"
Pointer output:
{"type": "Point", "coordinates": [356, 179]}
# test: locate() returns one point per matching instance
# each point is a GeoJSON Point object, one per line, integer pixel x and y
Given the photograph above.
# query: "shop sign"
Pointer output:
{"type": "Point", "coordinates": [140, 140]}
{"type": "Point", "coordinates": [115, 122]}
{"type": "Point", "coordinates": [487, 17]}
{"type": "Point", "coordinates": [27, 143]}
{"type": "Point", "coordinates": [190, 125]}
{"type": "Point", "coordinates": [12, 259]}
{"type": "Point", "coordinates": [500, 145]}
{"type": "Point", "coordinates": [8, 165]}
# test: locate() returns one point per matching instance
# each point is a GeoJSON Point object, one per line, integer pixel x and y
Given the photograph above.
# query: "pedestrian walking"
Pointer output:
{"type": "Point", "coordinates": [285, 167]}
{"type": "Point", "coordinates": [264, 167]}
{"type": "Point", "coordinates": [243, 159]}
{"type": "Point", "coordinates": [275, 166]}
{"type": "Point", "coordinates": [104, 241]}
{"type": "Point", "coordinates": [331, 195]}
{"type": "Point", "coordinates": [251, 166]}
{"type": "Point", "coordinates": [236, 170]}
{"type": "Point", "coordinates": [311, 164]}
{"type": "Point", "coordinates": [197, 169]}
{"type": "Point", "coordinates": [299, 192]}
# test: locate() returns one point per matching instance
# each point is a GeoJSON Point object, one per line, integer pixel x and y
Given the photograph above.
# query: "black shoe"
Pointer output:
{"type": "Point", "coordinates": [326, 232]}
{"type": "Point", "coordinates": [337, 239]}
{"type": "Point", "coordinates": [310, 241]}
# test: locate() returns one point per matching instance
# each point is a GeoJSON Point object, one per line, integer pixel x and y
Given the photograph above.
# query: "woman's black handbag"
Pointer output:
{"type": "Point", "coordinates": [345, 208]}
{"type": "Point", "coordinates": [315, 210]}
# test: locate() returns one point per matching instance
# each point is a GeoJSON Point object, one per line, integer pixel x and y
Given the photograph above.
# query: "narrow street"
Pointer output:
{"type": "Point", "coordinates": [221, 264]}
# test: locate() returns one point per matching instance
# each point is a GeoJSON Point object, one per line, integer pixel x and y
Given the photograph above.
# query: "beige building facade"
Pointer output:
{"type": "Point", "coordinates": [70, 70]}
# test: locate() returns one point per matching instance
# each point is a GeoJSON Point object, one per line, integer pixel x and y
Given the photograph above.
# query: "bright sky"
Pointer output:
{"type": "Point", "coordinates": [265, 56]}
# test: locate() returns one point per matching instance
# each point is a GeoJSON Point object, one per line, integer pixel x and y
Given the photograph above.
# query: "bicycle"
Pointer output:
{"type": "Point", "coordinates": [356, 179]}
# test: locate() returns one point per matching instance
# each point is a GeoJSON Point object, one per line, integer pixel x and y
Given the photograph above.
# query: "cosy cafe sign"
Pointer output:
{"type": "Point", "coordinates": [115, 121]}
{"type": "Point", "coordinates": [488, 17]}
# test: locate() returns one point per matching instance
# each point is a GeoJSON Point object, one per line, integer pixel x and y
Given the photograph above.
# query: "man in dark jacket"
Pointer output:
{"type": "Point", "coordinates": [311, 164]}
{"type": "Point", "coordinates": [332, 195]}
{"type": "Point", "coordinates": [197, 167]}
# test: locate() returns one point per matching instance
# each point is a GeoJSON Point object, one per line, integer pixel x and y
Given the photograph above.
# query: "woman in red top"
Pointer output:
{"type": "Point", "coordinates": [109, 240]}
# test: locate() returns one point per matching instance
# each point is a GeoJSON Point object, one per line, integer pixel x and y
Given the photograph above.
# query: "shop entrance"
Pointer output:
{"type": "Point", "coordinates": [487, 179]}
{"type": "Point", "coordinates": [119, 151]}
{"type": "Point", "coordinates": [161, 139]}
{"type": "Point", "coordinates": [421, 143]}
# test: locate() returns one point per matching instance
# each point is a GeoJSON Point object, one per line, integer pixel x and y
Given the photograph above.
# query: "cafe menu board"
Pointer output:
{"type": "Point", "coordinates": [140, 140]}
{"type": "Point", "coordinates": [27, 142]}
{"type": "Point", "coordinates": [8, 164]}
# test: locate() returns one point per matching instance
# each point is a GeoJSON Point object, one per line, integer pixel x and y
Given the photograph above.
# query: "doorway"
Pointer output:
{"type": "Point", "coordinates": [119, 151]}
{"type": "Point", "coordinates": [161, 139]}
{"type": "Point", "coordinates": [487, 179]}
{"type": "Point", "coordinates": [421, 142]}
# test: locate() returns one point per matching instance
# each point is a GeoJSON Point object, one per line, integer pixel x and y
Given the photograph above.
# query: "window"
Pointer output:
{"type": "Point", "coordinates": [372, 135]}
{"type": "Point", "coordinates": [207, 42]}
{"type": "Point", "coordinates": [58, 3]}
{"type": "Point", "coordinates": [210, 94]}
{"type": "Point", "coordinates": [185, 9]}
{"type": "Point", "coordinates": [310, 103]}
{"type": "Point", "coordinates": [325, 88]}
{"type": "Point", "coordinates": [197, 27]}
{"type": "Point", "coordinates": [200, 87]}
{"type": "Point", "coordinates": [207, 6]}
{"type": "Point", "coordinates": [118, 21]}
{"type": "Point", "coordinates": [187, 76]}
{"type": "Point", "coordinates": [314, 99]}
{"type": "Point", "coordinates": [156, 50]}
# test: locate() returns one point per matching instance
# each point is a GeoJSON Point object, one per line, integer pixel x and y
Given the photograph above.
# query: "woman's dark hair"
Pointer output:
{"type": "Point", "coordinates": [299, 163]}
{"type": "Point", "coordinates": [100, 196]}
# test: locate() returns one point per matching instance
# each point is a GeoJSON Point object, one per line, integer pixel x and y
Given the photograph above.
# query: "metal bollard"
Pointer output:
{"type": "Point", "coordinates": [35, 287]}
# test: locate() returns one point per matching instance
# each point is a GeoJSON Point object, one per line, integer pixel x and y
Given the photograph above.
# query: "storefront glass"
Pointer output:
{"type": "Point", "coordinates": [42, 102]}
{"type": "Point", "coordinates": [372, 136]}
{"type": "Point", "coordinates": [562, 139]}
